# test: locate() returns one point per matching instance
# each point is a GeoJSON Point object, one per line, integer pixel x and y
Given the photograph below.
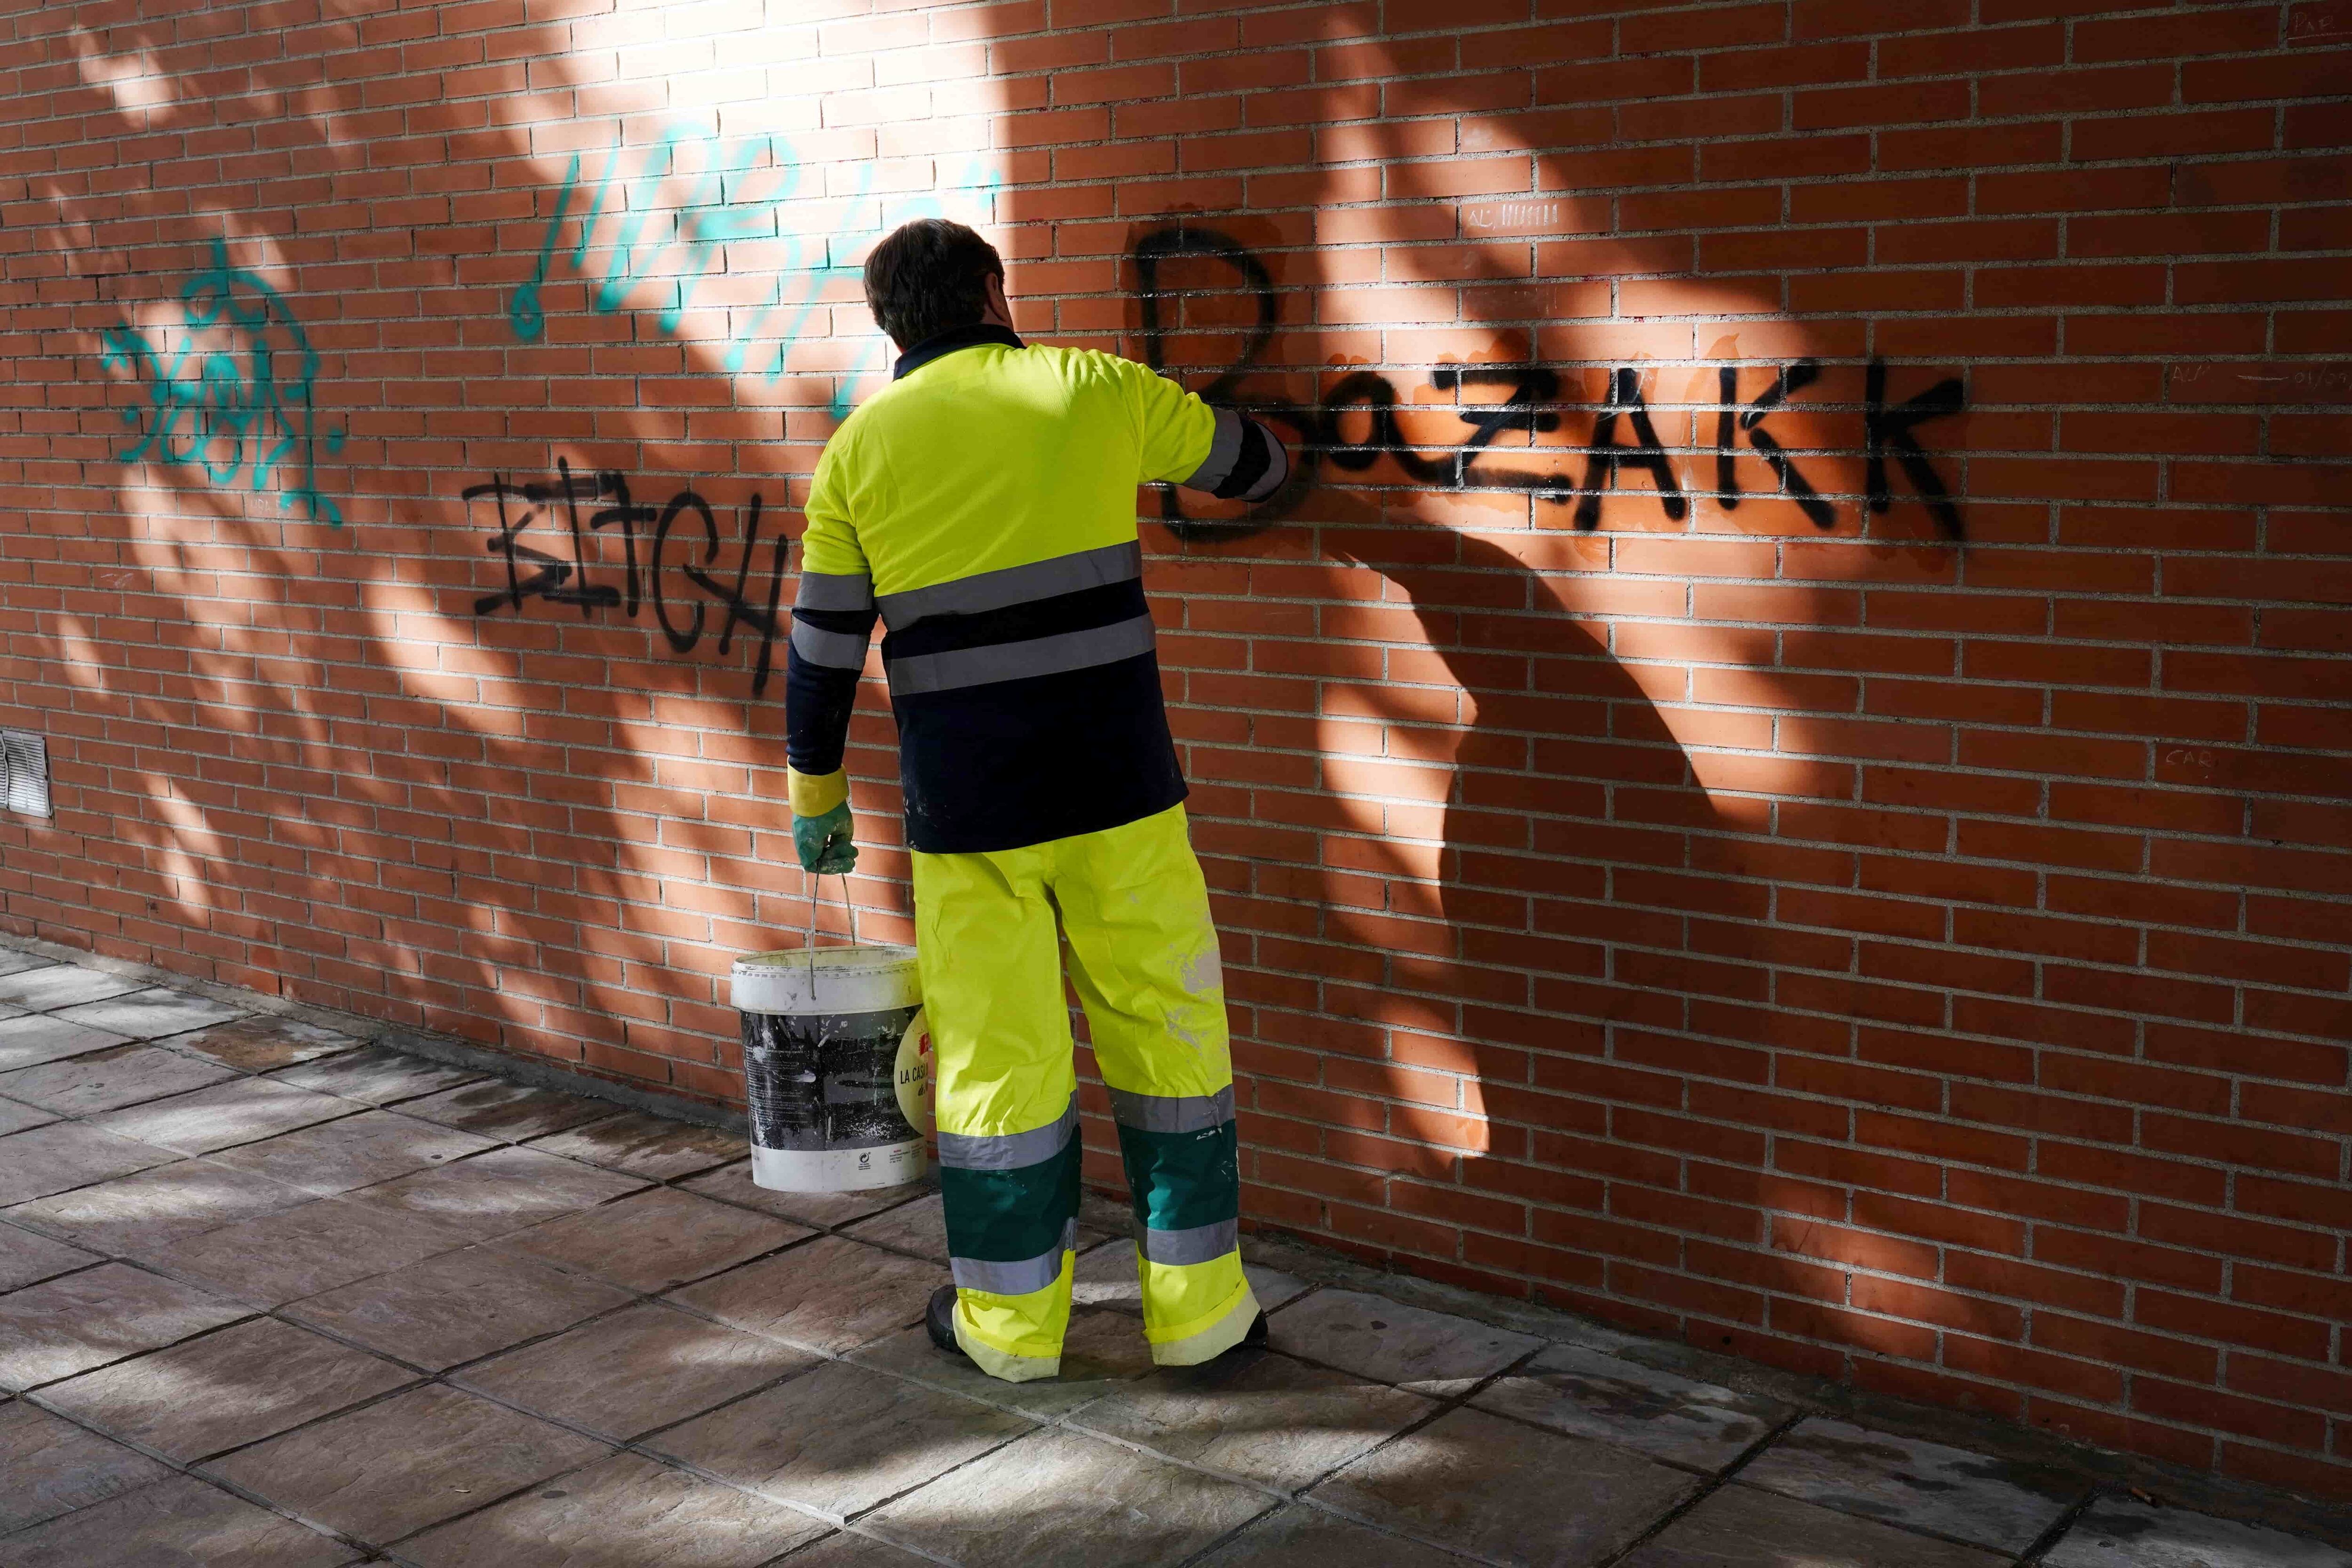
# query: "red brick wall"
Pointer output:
{"type": "Point", "coordinates": [1904, 940]}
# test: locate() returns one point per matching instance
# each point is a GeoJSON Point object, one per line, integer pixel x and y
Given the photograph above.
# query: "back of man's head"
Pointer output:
{"type": "Point", "coordinates": [929, 277]}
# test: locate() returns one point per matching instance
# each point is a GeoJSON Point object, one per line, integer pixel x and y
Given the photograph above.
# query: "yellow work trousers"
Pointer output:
{"type": "Point", "coordinates": [1131, 904]}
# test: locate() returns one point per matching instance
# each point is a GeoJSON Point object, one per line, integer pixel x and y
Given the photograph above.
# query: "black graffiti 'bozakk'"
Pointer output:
{"type": "Point", "coordinates": [535, 574]}
{"type": "Point", "coordinates": [1370, 397]}
{"type": "Point", "coordinates": [1790, 378]}
{"type": "Point", "coordinates": [1886, 430]}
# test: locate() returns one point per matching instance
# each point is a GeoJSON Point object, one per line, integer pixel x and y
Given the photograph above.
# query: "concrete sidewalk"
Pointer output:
{"type": "Point", "coordinates": [274, 1297]}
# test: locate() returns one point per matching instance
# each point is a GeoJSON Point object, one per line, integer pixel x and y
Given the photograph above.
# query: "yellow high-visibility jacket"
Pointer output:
{"type": "Point", "coordinates": [983, 505]}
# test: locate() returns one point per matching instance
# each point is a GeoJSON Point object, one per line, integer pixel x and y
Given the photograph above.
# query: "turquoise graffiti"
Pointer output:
{"type": "Point", "coordinates": [704, 200]}
{"type": "Point", "coordinates": [236, 399]}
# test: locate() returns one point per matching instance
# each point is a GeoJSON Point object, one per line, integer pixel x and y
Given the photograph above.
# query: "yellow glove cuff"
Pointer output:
{"type": "Point", "coordinates": [814, 795]}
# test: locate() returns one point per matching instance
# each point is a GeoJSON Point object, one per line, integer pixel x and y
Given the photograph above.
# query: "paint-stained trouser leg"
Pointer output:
{"type": "Point", "coordinates": [1009, 1151]}
{"type": "Point", "coordinates": [1144, 957]}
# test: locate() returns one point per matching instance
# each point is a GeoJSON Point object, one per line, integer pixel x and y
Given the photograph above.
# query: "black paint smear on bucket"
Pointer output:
{"type": "Point", "coordinates": [820, 1081]}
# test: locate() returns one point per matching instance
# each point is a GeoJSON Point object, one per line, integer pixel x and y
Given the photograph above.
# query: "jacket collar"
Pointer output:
{"type": "Point", "coordinates": [946, 343]}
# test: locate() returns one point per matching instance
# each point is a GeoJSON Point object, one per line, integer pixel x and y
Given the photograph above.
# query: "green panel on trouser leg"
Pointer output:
{"type": "Point", "coordinates": [1183, 1180]}
{"type": "Point", "coordinates": [1005, 1217]}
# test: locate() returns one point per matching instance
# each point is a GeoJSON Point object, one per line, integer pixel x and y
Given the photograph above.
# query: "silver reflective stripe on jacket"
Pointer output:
{"type": "Point", "coordinates": [1008, 1151]}
{"type": "Point", "coordinates": [1202, 1244]}
{"type": "Point", "coordinates": [958, 668]}
{"type": "Point", "coordinates": [1014, 585]}
{"type": "Point", "coordinates": [836, 650]}
{"type": "Point", "coordinates": [1224, 450]}
{"type": "Point", "coordinates": [834, 591]}
{"type": "Point", "coordinates": [1172, 1112]}
{"type": "Point", "coordinates": [1018, 1277]}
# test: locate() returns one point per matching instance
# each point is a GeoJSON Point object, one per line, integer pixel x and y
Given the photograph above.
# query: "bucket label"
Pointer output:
{"type": "Point", "coordinates": [914, 1074]}
{"type": "Point", "coordinates": [829, 1081]}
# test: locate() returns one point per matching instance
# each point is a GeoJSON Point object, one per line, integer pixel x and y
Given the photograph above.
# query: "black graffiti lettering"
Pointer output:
{"type": "Point", "coordinates": [1605, 457]}
{"type": "Point", "coordinates": [548, 580]}
{"type": "Point", "coordinates": [1154, 250]}
{"type": "Point", "coordinates": [1525, 407]}
{"type": "Point", "coordinates": [1151, 254]}
{"type": "Point", "coordinates": [1888, 429]}
{"type": "Point", "coordinates": [563, 582]}
{"type": "Point", "coordinates": [1369, 392]}
{"type": "Point", "coordinates": [575, 489]}
{"type": "Point", "coordinates": [1793, 483]}
{"type": "Point", "coordinates": [628, 516]}
{"type": "Point", "coordinates": [685, 500]}
{"type": "Point", "coordinates": [740, 613]}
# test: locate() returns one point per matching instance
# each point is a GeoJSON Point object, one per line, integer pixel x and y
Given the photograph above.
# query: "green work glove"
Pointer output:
{"type": "Point", "coordinates": [824, 843]}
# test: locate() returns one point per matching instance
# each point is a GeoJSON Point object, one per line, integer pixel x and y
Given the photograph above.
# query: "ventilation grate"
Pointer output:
{"type": "Point", "coordinates": [26, 772]}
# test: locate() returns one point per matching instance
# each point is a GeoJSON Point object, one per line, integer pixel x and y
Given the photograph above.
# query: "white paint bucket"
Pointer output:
{"type": "Point", "coordinates": [837, 1067]}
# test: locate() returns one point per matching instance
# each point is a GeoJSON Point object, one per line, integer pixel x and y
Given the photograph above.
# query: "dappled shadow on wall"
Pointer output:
{"type": "Point", "coordinates": [429, 670]}
{"type": "Point", "coordinates": [1485, 764]}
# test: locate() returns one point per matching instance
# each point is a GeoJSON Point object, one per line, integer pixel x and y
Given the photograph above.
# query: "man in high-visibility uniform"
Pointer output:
{"type": "Point", "coordinates": [984, 504]}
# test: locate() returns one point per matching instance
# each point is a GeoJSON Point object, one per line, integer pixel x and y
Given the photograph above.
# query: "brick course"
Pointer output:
{"type": "Point", "coordinates": [1782, 777]}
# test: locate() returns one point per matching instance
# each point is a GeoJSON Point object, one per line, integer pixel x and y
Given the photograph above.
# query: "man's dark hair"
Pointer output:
{"type": "Point", "coordinates": [929, 277]}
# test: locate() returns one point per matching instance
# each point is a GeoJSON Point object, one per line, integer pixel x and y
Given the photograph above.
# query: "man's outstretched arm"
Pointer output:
{"type": "Point", "coordinates": [1246, 460]}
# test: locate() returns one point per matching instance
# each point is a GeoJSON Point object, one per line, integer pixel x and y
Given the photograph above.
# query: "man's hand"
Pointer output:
{"type": "Point", "coordinates": [826, 849]}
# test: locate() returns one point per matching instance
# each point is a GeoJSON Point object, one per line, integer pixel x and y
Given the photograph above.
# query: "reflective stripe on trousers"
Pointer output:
{"type": "Point", "coordinates": [1143, 956]}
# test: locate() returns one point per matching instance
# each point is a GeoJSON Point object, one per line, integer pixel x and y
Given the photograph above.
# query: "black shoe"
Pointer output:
{"type": "Point", "coordinates": [1254, 1339]}
{"type": "Point", "coordinates": [938, 1319]}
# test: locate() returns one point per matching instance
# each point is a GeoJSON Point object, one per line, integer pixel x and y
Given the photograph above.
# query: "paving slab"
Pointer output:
{"type": "Point", "coordinates": [1105, 1276]}
{"type": "Point", "coordinates": [1430, 1352]}
{"type": "Point", "coordinates": [138, 1215]}
{"type": "Point", "coordinates": [657, 1239]}
{"type": "Point", "coordinates": [832, 1295]}
{"type": "Point", "coordinates": [1740, 1527]}
{"type": "Point", "coordinates": [404, 1463]}
{"type": "Point", "coordinates": [458, 1307]}
{"type": "Point", "coordinates": [32, 1039]}
{"type": "Point", "coordinates": [919, 1227]}
{"type": "Point", "coordinates": [622, 1512]}
{"type": "Point", "coordinates": [1259, 1417]}
{"type": "Point", "coordinates": [510, 1112]}
{"type": "Point", "coordinates": [847, 1550]}
{"type": "Point", "coordinates": [68, 1154]}
{"type": "Point", "coordinates": [1479, 1484]}
{"type": "Point", "coordinates": [1950, 1492]}
{"type": "Point", "coordinates": [839, 1439]}
{"type": "Point", "coordinates": [72, 1323]}
{"type": "Point", "coordinates": [376, 1074]}
{"type": "Point", "coordinates": [500, 1191]}
{"type": "Point", "coordinates": [236, 1385]}
{"type": "Point", "coordinates": [304, 1250]}
{"type": "Point", "coordinates": [262, 1043]}
{"type": "Point", "coordinates": [243, 1110]}
{"type": "Point", "coordinates": [354, 1152]}
{"type": "Point", "coordinates": [1102, 1351]}
{"type": "Point", "coordinates": [45, 986]}
{"type": "Point", "coordinates": [109, 1080]}
{"type": "Point", "coordinates": [177, 1523]}
{"type": "Point", "coordinates": [26, 1259]}
{"type": "Point", "coordinates": [2121, 1532]}
{"type": "Point", "coordinates": [733, 1185]}
{"type": "Point", "coordinates": [1058, 1499]}
{"type": "Point", "coordinates": [641, 1368]}
{"type": "Point", "coordinates": [1588, 1394]}
{"type": "Point", "coordinates": [49, 1466]}
{"type": "Point", "coordinates": [1298, 1536]}
{"type": "Point", "coordinates": [15, 962]}
{"type": "Point", "coordinates": [15, 1116]}
{"type": "Point", "coordinates": [647, 1145]}
{"type": "Point", "coordinates": [151, 1014]}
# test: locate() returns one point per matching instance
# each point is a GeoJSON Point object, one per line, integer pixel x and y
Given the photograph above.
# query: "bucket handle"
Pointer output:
{"type": "Point", "coordinates": [816, 889]}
